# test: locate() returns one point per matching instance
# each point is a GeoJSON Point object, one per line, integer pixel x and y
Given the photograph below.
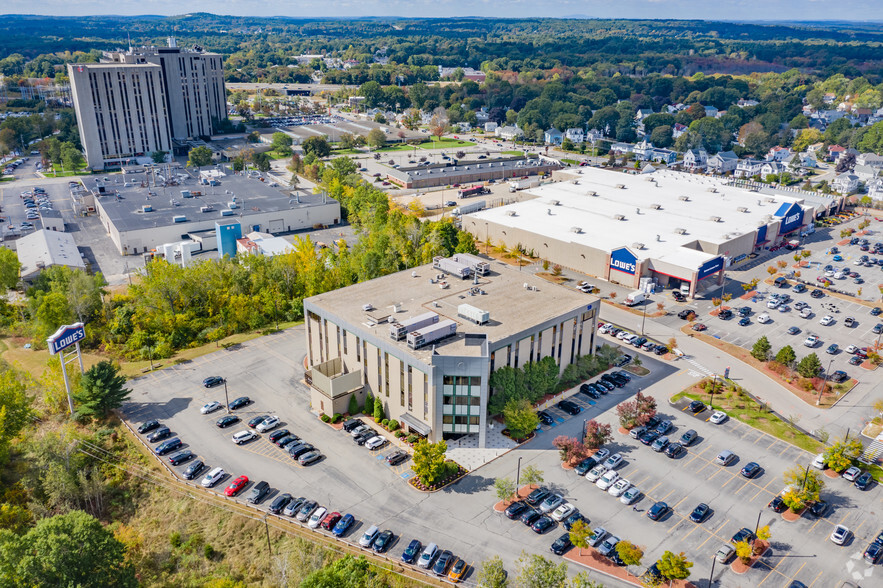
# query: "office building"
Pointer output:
{"type": "Point", "coordinates": [424, 342]}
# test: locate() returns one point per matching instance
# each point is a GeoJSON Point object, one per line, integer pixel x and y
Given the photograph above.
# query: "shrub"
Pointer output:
{"type": "Point", "coordinates": [412, 438]}
{"type": "Point", "coordinates": [394, 425]}
{"type": "Point", "coordinates": [336, 418]}
{"type": "Point", "coordinates": [354, 405]}
{"type": "Point", "coordinates": [400, 434]}
{"type": "Point", "coordinates": [368, 409]}
{"type": "Point", "coordinates": [384, 423]}
{"type": "Point", "coordinates": [208, 551]}
{"type": "Point", "coordinates": [175, 539]}
{"type": "Point", "coordinates": [325, 418]}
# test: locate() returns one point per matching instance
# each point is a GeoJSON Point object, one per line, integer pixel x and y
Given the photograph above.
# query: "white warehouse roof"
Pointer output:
{"type": "Point", "coordinates": [45, 248]}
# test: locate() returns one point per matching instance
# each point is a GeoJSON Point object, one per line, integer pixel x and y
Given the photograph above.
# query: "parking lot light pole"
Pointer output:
{"type": "Point", "coordinates": [226, 397]}
{"type": "Point", "coordinates": [518, 475]}
{"type": "Point", "coordinates": [757, 525]}
{"type": "Point", "coordinates": [711, 575]}
{"type": "Point", "coordinates": [805, 476]}
{"type": "Point", "coordinates": [644, 315]}
{"type": "Point", "coordinates": [824, 383]}
{"type": "Point", "coordinates": [713, 389]}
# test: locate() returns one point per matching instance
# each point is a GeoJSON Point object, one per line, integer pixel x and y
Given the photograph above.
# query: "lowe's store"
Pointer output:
{"type": "Point", "coordinates": [673, 229]}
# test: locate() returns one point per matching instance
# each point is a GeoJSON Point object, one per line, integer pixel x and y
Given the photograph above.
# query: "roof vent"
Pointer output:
{"type": "Point", "coordinates": [656, 206]}
{"type": "Point", "coordinates": [620, 186]}
{"type": "Point", "coordinates": [681, 231]}
{"type": "Point", "coordinates": [619, 217]}
{"type": "Point", "coordinates": [591, 193]}
{"type": "Point", "coordinates": [712, 190]}
{"type": "Point", "coordinates": [715, 219]}
{"type": "Point", "coordinates": [742, 209]}
{"type": "Point", "coordinates": [684, 198]}
{"type": "Point", "coordinates": [770, 200]}
{"type": "Point", "coordinates": [510, 213]}
{"type": "Point", "coordinates": [576, 230]}
{"type": "Point", "coordinates": [574, 181]}
{"type": "Point", "coordinates": [638, 246]}
{"type": "Point", "coordinates": [146, 208]}
{"type": "Point", "coordinates": [556, 202]}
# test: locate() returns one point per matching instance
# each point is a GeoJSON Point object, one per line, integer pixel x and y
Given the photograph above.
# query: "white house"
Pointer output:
{"type": "Point", "coordinates": [594, 135]}
{"type": "Point", "coordinates": [643, 150]}
{"type": "Point", "coordinates": [509, 133]}
{"type": "Point", "coordinates": [875, 189]}
{"type": "Point", "coordinates": [722, 162]}
{"type": "Point", "coordinates": [770, 168]}
{"type": "Point", "coordinates": [678, 129]}
{"type": "Point", "coordinates": [622, 148]}
{"type": "Point", "coordinates": [490, 127]}
{"type": "Point", "coordinates": [711, 111]}
{"type": "Point", "coordinates": [778, 153]}
{"type": "Point", "coordinates": [576, 135]}
{"type": "Point", "coordinates": [745, 168]}
{"type": "Point", "coordinates": [869, 159]}
{"type": "Point", "coordinates": [865, 172]}
{"type": "Point", "coordinates": [553, 136]}
{"type": "Point", "coordinates": [695, 159]}
{"type": "Point", "coordinates": [845, 183]}
{"type": "Point", "coordinates": [742, 103]}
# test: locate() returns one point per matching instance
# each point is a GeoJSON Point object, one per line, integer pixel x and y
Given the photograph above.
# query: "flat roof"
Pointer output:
{"type": "Point", "coordinates": [512, 307]}
{"type": "Point", "coordinates": [652, 210]}
{"type": "Point", "coordinates": [126, 195]}
{"type": "Point", "coordinates": [459, 168]}
{"type": "Point", "coordinates": [46, 248]}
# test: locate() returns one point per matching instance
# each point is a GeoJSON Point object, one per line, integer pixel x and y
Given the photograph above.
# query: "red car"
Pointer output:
{"type": "Point", "coordinates": [330, 520]}
{"type": "Point", "coordinates": [237, 485]}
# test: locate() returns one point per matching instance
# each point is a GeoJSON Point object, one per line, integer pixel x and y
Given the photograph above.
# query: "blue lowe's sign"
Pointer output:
{"type": "Point", "coordinates": [791, 215]}
{"type": "Point", "coordinates": [623, 260]}
{"type": "Point", "coordinates": [66, 336]}
{"type": "Point", "coordinates": [710, 267]}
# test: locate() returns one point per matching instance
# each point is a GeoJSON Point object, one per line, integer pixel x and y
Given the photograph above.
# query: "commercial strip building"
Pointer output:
{"type": "Point", "coordinates": [425, 341]}
{"type": "Point", "coordinates": [136, 102]}
{"type": "Point", "coordinates": [465, 172]}
{"type": "Point", "coordinates": [142, 211]}
{"type": "Point", "coordinates": [42, 249]}
{"type": "Point", "coordinates": [672, 228]}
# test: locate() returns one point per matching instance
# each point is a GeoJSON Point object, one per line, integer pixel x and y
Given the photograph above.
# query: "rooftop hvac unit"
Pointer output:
{"type": "Point", "coordinates": [179, 219]}
{"type": "Point", "coordinates": [368, 307]}
{"type": "Point", "coordinates": [619, 217]}
{"type": "Point", "coordinates": [712, 190]}
{"type": "Point", "coordinates": [206, 209]}
{"type": "Point", "coordinates": [232, 205]}
{"type": "Point", "coordinates": [147, 208]}
{"type": "Point", "coordinates": [742, 209]}
{"type": "Point", "coordinates": [715, 219]}
{"type": "Point", "coordinates": [591, 193]}
{"type": "Point", "coordinates": [656, 206]}
{"type": "Point", "coordinates": [684, 198]}
{"type": "Point", "coordinates": [638, 246]}
{"type": "Point", "coordinates": [770, 200]}
{"type": "Point", "coordinates": [681, 231]}
{"type": "Point", "coordinates": [649, 179]}
{"type": "Point", "coordinates": [576, 230]}
{"type": "Point", "coordinates": [227, 212]}
{"type": "Point", "coordinates": [574, 181]}
{"type": "Point", "coordinates": [620, 186]}
{"type": "Point", "coordinates": [556, 202]}
{"type": "Point", "coordinates": [185, 194]}
{"type": "Point", "coordinates": [510, 213]}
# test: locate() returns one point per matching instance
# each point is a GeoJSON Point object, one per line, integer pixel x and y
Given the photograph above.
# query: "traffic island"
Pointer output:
{"type": "Point", "coordinates": [521, 493]}
{"type": "Point", "coordinates": [791, 516]}
{"type": "Point", "coordinates": [591, 559]}
{"type": "Point", "coordinates": [456, 471]}
{"type": "Point", "coordinates": [740, 567]}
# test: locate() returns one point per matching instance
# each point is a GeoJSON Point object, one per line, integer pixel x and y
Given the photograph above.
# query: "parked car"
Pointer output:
{"type": "Point", "coordinates": [159, 434]}
{"type": "Point", "coordinates": [688, 437]}
{"type": "Point", "coordinates": [542, 524]}
{"type": "Point", "coordinates": [212, 381]}
{"type": "Point", "coordinates": [657, 511]}
{"type": "Point", "coordinates": [585, 465]}
{"type": "Point", "coordinates": [369, 536]}
{"type": "Point", "coordinates": [630, 495]}
{"type": "Point", "coordinates": [561, 545]}
{"type": "Point", "coordinates": [226, 421]}
{"type": "Point", "coordinates": [750, 470]}
{"type": "Point", "coordinates": [743, 534]}
{"type": "Point", "coordinates": [724, 458]}
{"type": "Point", "coordinates": [267, 424]}
{"type": "Point", "coordinates": [309, 457]}
{"type": "Point", "coordinates": [570, 407]}
{"type": "Point", "coordinates": [718, 417]}
{"type": "Point", "coordinates": [240, 402]}
{"type": "Point", "coordinates": [168, 446]}
{"type": "Point", "coordinates": [608, 545]}
{"type": "Point", "coordinates": [700, 512]}
{"type": "Point", "coordinates": [851, 473]}
{"type": "Point", "coordinates": [551, 502]}
{"type": "Point", "coordinates": [244, 437]}
{"type": "Point", "coordinates": [673, 450]}
{"type": "Point", "coordinates": [537, 496]}
{"type": "Point", "coordinates": [181, 457]}
{"type": "Point", "coordinates": [210, 407]}
{"type": "Point", "coordinates": [376, 442]}
{"type": "Point", "coordinates": [213, 477]}
{"type": "Point", "coordinates": [840, 534]}
{"type": "Point", "coordinates": [258, 492]}
{"type": "Point", "coordinates": [873, 553]}
{"type": "Point", "coordinates": [697, 406]}
{"type": "Point", "coordinates": [428, 556]}
{"type": "Point", "coordinates": [351, 424]}
{"type": "Point", "coordinates": [278, 434]}
{"type": "Point", "coordinates": [397, 457]}
{"type": "Point", "coordinates": [343, 525]}
{"type": "Point", "coordinates": [613, 462]}
{"type": "Point", "coordinates": [411, 552]}
{"type": "Point", "coordinates": [236, 486]}
{"type": "Point", "coordinates": [193, 470]}
{"type": "Point", "coordinates": [516, 509]}
{"type": "Point", "coordinates": [864, 481]}
{"type": "Point", "coordinates": [777, 504]}
{"type": "Point", "coordinates": [279, 503]}
{"type": "Point", "coordinates": [330, 521]}
{"type": "Point", "coordinates": [306, 509]}
{"type": "Point", "coordinates": [818, 508]}
{"type": "Point", "coordinates": [443, 563]}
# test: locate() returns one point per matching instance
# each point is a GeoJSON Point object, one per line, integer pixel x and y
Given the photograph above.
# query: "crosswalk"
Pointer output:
{"type": "Point", "coordinates": [698, 367]}
{"type": "Point", "coordinates": [874, 450]}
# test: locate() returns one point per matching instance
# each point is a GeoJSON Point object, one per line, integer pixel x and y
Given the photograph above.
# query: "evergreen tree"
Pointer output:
{"type": "Point", "coordinates": [102, 389]}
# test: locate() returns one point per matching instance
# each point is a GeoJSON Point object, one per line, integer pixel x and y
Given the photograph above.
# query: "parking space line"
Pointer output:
{"type": "Point", "coordinates": [652, 489]}
{"type": "Point", "coordinates": [663, 499]}
{"type": "Point", "coordinates": [678, 503]}
{"type": "Point", "coordinates": [798, 570]}
{"type": "Point", "coordinates": [815, 580]}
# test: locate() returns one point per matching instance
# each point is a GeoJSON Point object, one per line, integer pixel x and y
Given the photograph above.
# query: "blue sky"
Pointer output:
{"type": "Point", "coordinates": [859, 10]}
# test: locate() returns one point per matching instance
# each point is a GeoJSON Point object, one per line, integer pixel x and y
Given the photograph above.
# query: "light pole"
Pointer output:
{"type": "Point", "coordinates": [713, 390]}
{"type": "Point", "coordinates": [824, 383]}
{"type": "Point", "coordinates": [226, 397]}
{"type": "Point", "coordinates": [711, 575]}
{"type": "Point", "coordinates": [757, 525]}
{"type": "Point", "coordinates": [644, 315]}
{"type": "Point", "coordinates": [518, 475]}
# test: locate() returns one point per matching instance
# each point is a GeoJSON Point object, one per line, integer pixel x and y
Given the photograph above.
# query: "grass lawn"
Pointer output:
{"type": "Point", "coordinates": [741, 407]}
{"type": "Point", "coordinates": [398, 147]}
{"type": "Point", "coordinates": [278, 155]}
{"type": "Point", "coordinates": [515, 153]}
{"type": "Point", "coordinates": [345, 152]}
{"type": "Point", "coordinates": [66, 174]}
{"type": "Point", "coordinates": [569, 161]}
{"type": "Point", "coordinates": [445, 144]}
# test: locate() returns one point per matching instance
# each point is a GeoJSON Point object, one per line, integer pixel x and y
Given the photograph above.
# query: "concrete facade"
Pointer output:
{"type": "Point", "coordinates": [442, 389]}
{"type": "Point", "coordinates": [465, 172]}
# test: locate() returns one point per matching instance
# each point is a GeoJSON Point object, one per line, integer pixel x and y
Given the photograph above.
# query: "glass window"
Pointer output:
{"type": "Point", "coordinates": [448, 380]}
{"type": "Point", "coordinates": [448, 419]}
{"type": "Point", "coordinates": [475, 400]}
{"type": "Point", "coordinates": [447, 399]}
{"type": "Point", "coordinates": [474, 420]}
{"type": "Point", "coordinates": [461, 420]}
{"type": "Point", "coordinates": [462, 381]}
{"type": "Point", "coordinates": [462, 400]}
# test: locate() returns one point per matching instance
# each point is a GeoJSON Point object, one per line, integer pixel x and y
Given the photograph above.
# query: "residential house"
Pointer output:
{"type": "Point", "coordinates": [829, 98]}
{"type": "Point", "coordinates": [875, 188]}
{"type": "Point", "coordinates": [553, 137]}
{"type": "Point", "coordinates": [835, 151]}
{"type": "Point", "coordinates": [772, 168]}
{"type": "Point", "coordinates": [746, 168]}
{"type": "Point", "coordinates": [778, 153]}
{"type": "Point", "coordinates": [711, 111]}
{"type": "Point", "coordinates": [509, 133]}
{"type": "Point", "coordinates": [862, 114]}
{"type": "Point", "coordinates": [677, 130]}
{"type": "Point", "coordinates": [865, 172]}
{"type": "Point", "coordinates": [815, 149]}
{"type": "Point", "coordinates": [869, 159]}
{"type": "Point", "coordinates": [643, 113]}
{"type": "Point", "coordinates": [464, 127]}
{"type": "Point", "coordinates": [722, 162]}
{"type": "Point", "coordinates": [695, 159]}
{"type": "Point", "coordinates": [665, 156]}
{"type": "Point", "coordinates": [575, 134]}
{"type": "Point", "coordinates": [594, 136]}
{"type": "Point", "coordinates": [481, 116]}
{"type": "Point", "coordinates": [742, 103]}
{"type": "Point", "coordinates": [490, 127]}
{"type": "Point", "coordinates": [622, 148]}
{"type": "Point", "coordinates": [643, 150]}
{"type": "Point", "coordinates": [846, 183]}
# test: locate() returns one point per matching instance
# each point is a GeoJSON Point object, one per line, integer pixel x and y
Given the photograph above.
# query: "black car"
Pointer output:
{"type": "Point", "coordinates": [212, 381]}
{"type": "Point", "coordinates": [688, 437]}
{"type": "Point", "coordinates": [226, 421]}
{"type": "Point", "coordinates": [590, 390]}
{"type": "Point", "coordinates": [542, 524]}
{"type": "Point", "coordinates": [351, 424]}
{"type": "Point", "coordinates": [818, 508]}
{"type": "Point", "coordinates": [864, 481]}
{"type": "Point", "coordinates": [676, 294]}
{"type": "Point", "coordinates": [684, 314]}
{"type": "Point", "coordinates": [159, 434]}
{"type": "Point", "coordinates": [278, 434]}
{"type": "Point", "coordinates": [287, 440]}
{"type": "Point", "coordinates": [396, 457]}
{"type": "Point", "coordinates": [570, 521]}
{"type": "Point", "coordinates": [663, 427]}
{"type": "Point", "coordinates": [280, 503]}
{"type": "Point", "coordinates": [383, 541]}
{"type": "Point", "coordinates": [530, 516]}
{"type": "Point", "coordinates": [660, 350]}
{"type": "Point", "coordinates": [585, 465]}
{"type": "Point", "coordinates": [604, 387]}
{"type": "Point", "coordinates": [725, 314]}
{"type": "Point", "coordinates": [180, 458]}
{"type": "Point", "coordinates": [873, 553]}
{"type": "Point", "coordinates": [148, 426]}
{"type": "Point", "coordinates": [817, 294]}
{"type": "Point", "coordinates": [569, 407]}
{"type": "Point", "coordinates": [240, 402]}
{"type": "Point", "coordinates": [193, 469]}
{"type": "Point", "coordinates": [745, 311]}
{"type": "Point", "coordinates": [296, 452]}
{"type": "Point", "coordinates": [876, 311]}
{"type": "Point", "coordinates": [839, 376]}
{"type": "Point", "coordinates": [254, 422]}
{"type": "Point", "coordinates": [673, 450]}
{"type": "Point", "coordinates": [561, 544]}
{"type": "Point", "coordinates": [258, 492]}
{"type": "Point", "coordinates": [777, 504]}
{"type": "Point", "coordinates": [168, 446]}
{"type": "Point", "coordinates": [545, 417]}
{"type": "Point", "coordinates": [743, 534]}
{"type": "Point", "coordinates": [700, 512]}
{"type": "Point", "coordinates": [443, 562]}
{"type": "Point", "coordinates": [793, 330]}
{"type": "Point", "coordinates": [648, 437]}
{"type": "Point", "coordinates": [878, 328]}
{"type": "Point", "coordinates": [364, 436]}
{"type": "Point", "coordinates": [697, 406]}
{"type": "Point", "coordinates": [612, 381]}
{"type": "Point", "coordinates": [619, 379]}
{"type": "Point", "coordinates": [657, 511]}
{"type": "Point", "coordinates": [639, 341]}
{"type": "Point", "coordinates": [750, 470]}
{"type": "Point", "coordinates": [799, 288]}
{"type": "Point", "coordinates": [516, 509]}
{"type": "Point", "coordinates": [744, 321]}
{"type": "Point", "coordinates": [409, 555]}
{"type": "Point", "coordinates": [537, 496]}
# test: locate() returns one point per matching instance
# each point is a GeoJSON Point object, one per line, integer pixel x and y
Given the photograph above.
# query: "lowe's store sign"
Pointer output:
{"type": "Point", "coordinates": [66, 336]}
{"type": "Point", "coordinates": [623, 260]}
{"type": "Point", "coordinates": [791, 215]}
{"type": "Point", "coordinates": [710, 267]}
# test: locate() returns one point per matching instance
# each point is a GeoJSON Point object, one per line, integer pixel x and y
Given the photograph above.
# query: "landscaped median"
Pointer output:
{"type": "Point", "coordinates": [591, 559]}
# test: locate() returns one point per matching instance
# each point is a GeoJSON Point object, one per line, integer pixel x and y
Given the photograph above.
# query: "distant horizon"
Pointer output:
{"type": "Point", "coordinates": [773, 11]}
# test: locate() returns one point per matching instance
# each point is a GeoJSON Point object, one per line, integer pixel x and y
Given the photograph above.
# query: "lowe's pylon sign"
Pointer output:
{"type": "Point", "coordinates": [623, 260]}
{"type": "Point", "coordinates": [66, 336]}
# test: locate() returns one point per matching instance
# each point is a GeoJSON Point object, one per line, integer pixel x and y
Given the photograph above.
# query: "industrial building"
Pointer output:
{"type": "Point", "coordinates": [425, 341]}
{"type": "Point", "coordinates": [142, 211]}
{"type": "Point", "coordinates": [136, 102]}
{"type": "Point", "coordinates": [464, 172]}
{"type": "Point", "coordinates": [42, 249]}
{"type": "Point", "coordinates": [669, 228]}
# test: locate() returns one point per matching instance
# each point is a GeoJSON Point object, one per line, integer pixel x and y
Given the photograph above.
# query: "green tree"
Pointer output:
{"type": "Point", "coordinates": [629, 553]}
{"type": "Point", "coordinates": [674, 566]}
{"type": "Point", "coordinates": [102, 389]}
{"type": "Point", "coordinates": [761, 349]}
{"type": "Point", "coordinates": [428, 461]}
{"type": "Point", "coordinates": [535, 571]}
{"type": "Point", "coordinates": [504, 488]}
{"type": "Point", "coordinates": [368, 409]}
{"type": "Point", "coordinates": [583, 580]}
{"type": "Point", "coordinates": [52, 311]}
{"type": "Point", "coordinates": [532, 476]}
{"type": "Point", "coordinates": [72, 549]}
{"type": "Point", "coordinates": [841, 454]}
{"type": "Point", "coordinates": [317, 146]}
{"type": "Point", "coordinates": [346, 571]}
{"type": "Point", "coordinates": [282, 143]}
{"type": "Point", "coordinates": [520, 418]}
{"type": "Point", "coordinates": [379, 413]}
{"type": "Point", "coordinates": [15, 410]}
{"type": "Point", "coordinates": [807, 480]}
{"type": "Point", "coordinates": [786, 355]}
{"type": "Point", "coordinates": [580, 534]}
{"type": "Point", "coordinates": [743, 551]}
{"type": "Point", "coordinates": [199, 157]}
{"type": "Point", "coordinates": [353, 407]}
{"type": "Point", "coordinates": [261, 161]}
{"type": "Point", "coordinates": [376, 138]}
{"type": "Point", "coordinates": [491, 574]}
{"type": "Point", "coordinates": [10, 268]}
{"type": "Point", "coordinates": [159, 156]}
{"type": "Point", "coordinates": [71, 157]}
{"type": "Point", "coordinates": [809, 366]}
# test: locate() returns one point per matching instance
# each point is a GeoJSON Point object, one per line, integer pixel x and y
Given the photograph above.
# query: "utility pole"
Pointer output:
{"type": "Point", "coordinates": [226, 397]}
{"type": "Point", "coordinates": [518, 475]}
{"type": "Point", "coordinates": [269, 545]}
{"type": "Point", "coordinates": [824, 383]}
{"type": "Point", "coordinates": [711, 575]}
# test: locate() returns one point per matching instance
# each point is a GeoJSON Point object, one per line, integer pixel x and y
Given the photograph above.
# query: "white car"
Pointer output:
{"type": "Point", "coordinates": [829, 274]}
{"type": "Point", "coordinates": [819, 462]}
{"type": "Point", "coordinates": [267, 424]}
{"type": "Point", "coordinates": [763, 318]}
{"type": "Point", "coordinates": [851, 349]}
{"type": "Point", "coordinates": [851, 473]}
{"type": "Point", "coordinates": [623, 334]}
{"type": "Point", "coordinates": [243, 437]}
{"type": "Point", "coordinates": [774, 303]}
{"type": "Point", "coordinates": [826, 320]}
{"type": "Point", "coordinates": [811, 341]}
{"type": "Point", "coordinates": [805, 312]}
{"type": "Point", "coordinates": [619, 487]}
{"type": "Point", "coordinates": [563, 511]}
{"type": "Point", "coordinates": [596, 472]}
{"type": "Point", "coordinates": [598, 534]}
{"type": "Point", "coordinates": [376, 442]}
{"type": "Point", "coordinates": [840, 534]}
{"type": "Point", "coordinates": [630, 495]}
{"type": "Point", "coordinates": [210, 407]}
{"type": "Point", "coordinates": [317, 517]}
{"type": "Point", "coordinates": [551, 503]}
{"type": "Point", "coordinates": [630, 338]}
{"type": "Point", "coordinates": [607, 480]}
{"type": "Point", "coordinates": [613, 462]}
{"type": "Point", "coordinates": [718, 417]}
{"type": "Point", "coordinates": [601, 454]}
